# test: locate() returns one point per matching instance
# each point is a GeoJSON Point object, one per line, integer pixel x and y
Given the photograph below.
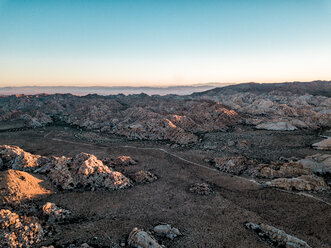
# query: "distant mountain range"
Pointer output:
{"type": "Point", "coordinates": [316, 88]}
{"type": "Point", "coordinates": [322, 88]}
{"type": "Point", "coordinates": [126, 90]}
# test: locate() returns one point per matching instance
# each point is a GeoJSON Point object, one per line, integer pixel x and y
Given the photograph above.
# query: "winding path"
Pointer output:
{"type": "Point", "coordinates": [201, 166]}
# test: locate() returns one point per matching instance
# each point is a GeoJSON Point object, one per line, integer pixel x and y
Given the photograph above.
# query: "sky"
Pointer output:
{"type": "Point", "coordinates": [163, 42]}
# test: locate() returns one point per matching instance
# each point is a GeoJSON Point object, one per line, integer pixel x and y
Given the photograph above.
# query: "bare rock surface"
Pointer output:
{"type": "Point", "coordinates": [141, 239]}
{"type": "Point", "coordinates": [19, 231]}
{"type": "Point", "coordinates": [276, 237]}
{"type": "Point", "coordinates": [309, 183]}
{"type": "Point", "coordinates": [16, 186]}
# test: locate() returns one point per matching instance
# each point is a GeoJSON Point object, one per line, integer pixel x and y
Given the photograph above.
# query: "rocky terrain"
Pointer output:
{"type": "Point", "coordinates": [240, 166]}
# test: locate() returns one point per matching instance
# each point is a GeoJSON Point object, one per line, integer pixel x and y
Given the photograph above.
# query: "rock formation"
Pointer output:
{"type": "Point", "coordinates": [136, 117]}
{"type": "Point", "coordinates": [280, 169]}
{"type": "Point", "coordinates": [277, 126]}
{"type": "Point", "coordinates": [82, 171]}
{"type": "Point", "coordinates": [318, 163]}
{"type": "Point", "coordinates": [144, 177]}
{"type": "Point", "coordinates": [309, 183]}
{"type": "Point", "coordinates": [141, 239]}
{"type": "Point", "coordinates": [15, 158]}
{"type": "Point", "coordinates": [233, 165]}
{"type": "Point", "coordinates": [85, 171]}
{"type": "Point", "coordinates": [124, 160]}
{"type": "Point", "coordinates": [54, 213]}
{"type": "Point", "coordinates": [323, 145]}
{"type": "Point", "coordinates": [276, 237]}
{"type": "Point", "coordinates": [201, 189]}
{"type": "Point", "coordinates": [165, 230]}
{"type": "Point", "coordinates": [16, 186]}
{"type": "Point", "coordinates": [19, 231]}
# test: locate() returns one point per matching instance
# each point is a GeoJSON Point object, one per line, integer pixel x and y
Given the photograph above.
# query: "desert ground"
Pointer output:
{"type": "Point", "coordinates": [265, 179]}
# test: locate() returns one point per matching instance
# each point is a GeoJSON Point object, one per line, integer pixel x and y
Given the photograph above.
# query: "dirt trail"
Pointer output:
{"type": "Point", "coordinates": [252, 181]}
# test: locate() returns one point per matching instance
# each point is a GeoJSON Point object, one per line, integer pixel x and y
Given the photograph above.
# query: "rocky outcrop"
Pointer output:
{"type": "Point", "coordinates": [201, 189]}
{"type": "Point", "coordinates": [17, 186]}
{"type": "Point", "coordinates": [308, 182]}
{"type": "Point", "coordinates": [15, 158]}
{"type": "Point", "coordinates": [276, 109]}
{"type": "Point", "coordinates": [82, 171]}
{"type": "Point", "coordinates": [85, 171]}
{"type": "Point", "coordinates": [275, 236]}
{"type": "Point", "coordinates": [141, 239]}
{"type": "Point", "coordinates": [54, 213]}
{"type": "Point", "coordinates": [144, 177]}
{"type": "Point", "coordinates": [136, 117]}
{"type": "Point", "coordinates": [19, 231]}
{"type": "Point", "coordinates": [165, 230]}
{"type": "Point", "coordinates": [124, 160]}
{"type": "Point", "coordinates": [318, 163]}
{"type": "Point", "coordinates": [233, 165]}
{"type": "Point", "coordinates": [84, 245]}
{"type": "Point", "coordinates": [323, 145]}
{"type": "Point", "coordinates": [279, 170]}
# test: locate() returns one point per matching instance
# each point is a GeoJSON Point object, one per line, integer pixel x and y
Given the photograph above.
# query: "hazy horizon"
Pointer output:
{"type": "Point", "coordinates": [163, 43]}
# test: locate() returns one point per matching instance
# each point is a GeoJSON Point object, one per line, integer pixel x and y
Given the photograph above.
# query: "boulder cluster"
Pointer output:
{"type": "Point", "coordinates": [136, 117]}
{"type": "Point", "coordinates": [311, 173]}
{"type": "Point", "coordinates": [282, 107]}
{"type": "Point", "coordinates": [19, 231]}
{"type": "Point", "coordinates": [145, 239]}
{"type": "Point", "coordinates": [82, 171]}
{"type": "Point", "coordinates": [178, 118]}
{"type": "Point", "coordinates": [54, 213]}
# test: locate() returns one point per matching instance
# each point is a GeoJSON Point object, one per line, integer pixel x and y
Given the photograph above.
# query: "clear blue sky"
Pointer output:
{"type": "Point", "coordinates": [159, 42]}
